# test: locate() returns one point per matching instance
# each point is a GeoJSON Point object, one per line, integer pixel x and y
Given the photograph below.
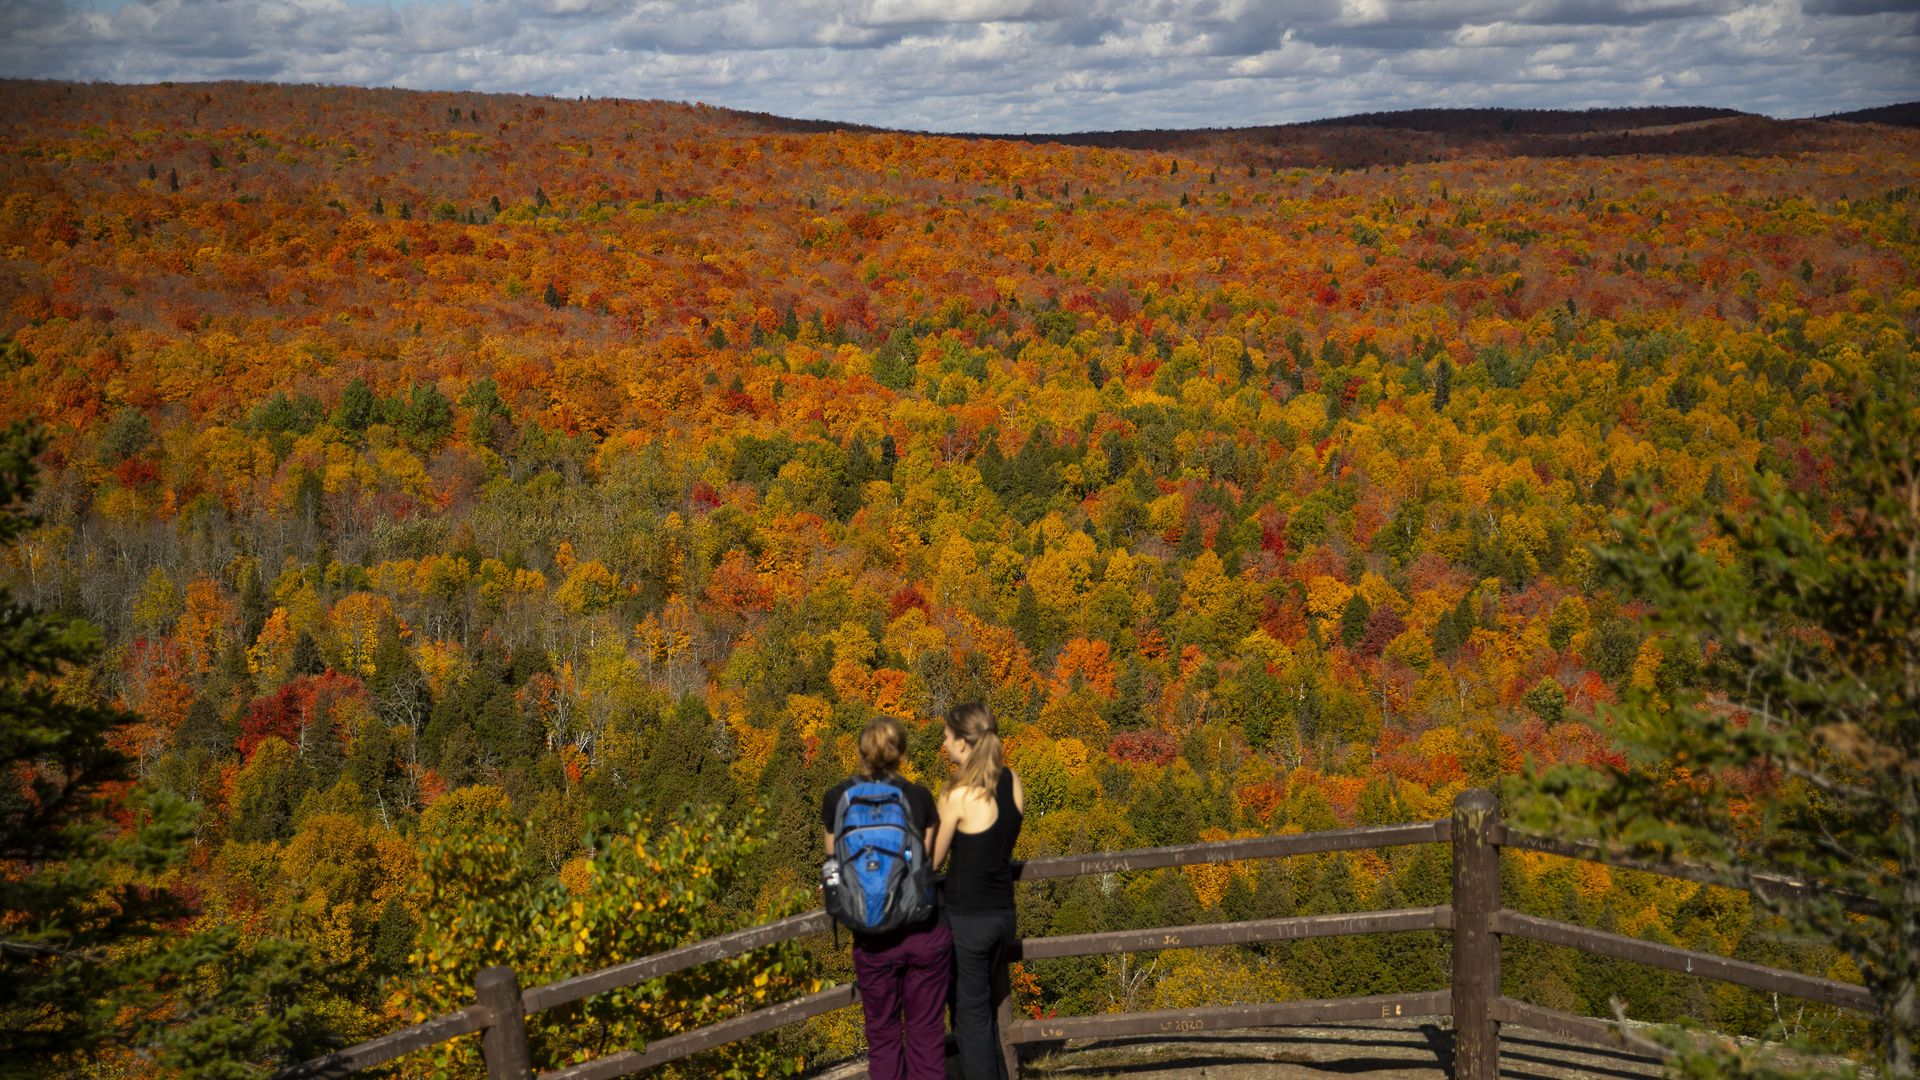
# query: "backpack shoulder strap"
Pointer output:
{"type": "Point", "coordinates": [840, 805]}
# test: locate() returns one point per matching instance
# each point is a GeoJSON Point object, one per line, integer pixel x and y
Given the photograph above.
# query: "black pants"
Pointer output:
{"type": "Point", "coordinates": [980, 944]}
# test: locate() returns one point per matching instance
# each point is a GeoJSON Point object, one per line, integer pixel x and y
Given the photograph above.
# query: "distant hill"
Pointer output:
{"type": "Point", "coordinates": [1416, 135]}
{"type": "Point", "coordinates": [1529, 121]}
{"type": "Point", "coordinates": [1905, 114]}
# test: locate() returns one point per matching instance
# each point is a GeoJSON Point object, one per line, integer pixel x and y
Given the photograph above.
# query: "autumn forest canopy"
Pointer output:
{"type": "Point", "coordinates": [492, 505]}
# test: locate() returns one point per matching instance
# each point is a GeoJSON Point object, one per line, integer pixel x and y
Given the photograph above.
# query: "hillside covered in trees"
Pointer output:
{"type": "Point", "coordinates": [462, 482]}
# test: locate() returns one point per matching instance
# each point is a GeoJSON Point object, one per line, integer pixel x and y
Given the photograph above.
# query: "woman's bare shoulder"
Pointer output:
{"type": "Point", "coordinates": [959, 796]}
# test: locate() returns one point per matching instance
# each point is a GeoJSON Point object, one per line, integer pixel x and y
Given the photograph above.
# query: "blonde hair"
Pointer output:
{"type": "Point", "coordinates": [883, 745]}
{"type": "Point", "coordinates": [974, 725]}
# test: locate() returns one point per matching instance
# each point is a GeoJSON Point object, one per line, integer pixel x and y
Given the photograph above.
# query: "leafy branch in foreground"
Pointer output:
{"type": "Point", "coordinates": [1795, 750]}
{"type": "Point", "coordinates": [639, 887]}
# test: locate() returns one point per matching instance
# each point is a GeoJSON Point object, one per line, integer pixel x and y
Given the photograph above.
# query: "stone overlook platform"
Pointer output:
{"type": "Point", "coordinates": [1370, 1050]}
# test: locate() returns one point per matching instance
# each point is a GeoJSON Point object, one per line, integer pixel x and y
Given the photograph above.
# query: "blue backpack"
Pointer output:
{"type": "Point", "coordinates": [877, 878]}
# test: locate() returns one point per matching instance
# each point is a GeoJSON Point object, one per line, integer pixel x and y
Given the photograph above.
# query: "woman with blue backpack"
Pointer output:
{"type": "Point", "coordinates": [979, 820]}
{"type": "Point", "coordinates": [878, 883]}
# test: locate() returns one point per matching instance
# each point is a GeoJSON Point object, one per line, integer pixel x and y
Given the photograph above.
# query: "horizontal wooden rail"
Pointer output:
{"type": "Point", "coordinates": [1760, 884]}
{"type": "Point", "coordinates": [373, 1052]}
{"type": "Point", "coordinates": [1236, 933]}
{"type": "Point", "coordinates": [666, 963]}
{"type": "Point", "coordinates": [1229, 1017]}
{"type": "Point", "coordinates": [1606, 1033]}
{"type": "Point", "coordinates": [1740, 972]}
{"type": "Point", "coordinates": [1219, 851]}
{"type": "Point", "coordinates": [674, 1047]}
{"type": "Point", "coordinates": [755, 937]}
{"type": "Point", "coordinates": [1554, 1022]}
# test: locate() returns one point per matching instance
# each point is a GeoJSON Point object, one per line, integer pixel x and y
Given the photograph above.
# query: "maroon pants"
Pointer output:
{"type": "Point", "coordinates": [903, 992]}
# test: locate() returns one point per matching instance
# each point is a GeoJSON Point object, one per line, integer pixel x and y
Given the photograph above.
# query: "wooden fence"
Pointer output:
{"type": "Point", "coordinates": [1474, 1002]}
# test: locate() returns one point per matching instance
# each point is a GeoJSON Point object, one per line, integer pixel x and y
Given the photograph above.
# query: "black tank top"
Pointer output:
{"type": "Point", "coordinates": [980, 870]}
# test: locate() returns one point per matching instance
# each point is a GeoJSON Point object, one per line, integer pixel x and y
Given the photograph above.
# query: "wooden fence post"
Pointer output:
{"type": "Point", "coordinates": [1476, 951]}
{"type": "Point", "coordinates": [1003, 1011]}
{"type": "Point", "coordinates": [504, 1042]}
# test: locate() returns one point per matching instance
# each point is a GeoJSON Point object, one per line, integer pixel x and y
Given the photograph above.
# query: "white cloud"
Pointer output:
{"type": "Point", "coordinates": [1014, 65]}
{"type": "Point", "coordinates": [1293, 59]}
{"type": "Point", "coordinates": [926, 12]}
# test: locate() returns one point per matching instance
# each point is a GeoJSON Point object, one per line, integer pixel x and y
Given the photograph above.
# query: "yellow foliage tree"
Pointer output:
{"type": "Point", "coordinates": [358, 620]}
{"type": "Point", "coordinates": [207, 625]}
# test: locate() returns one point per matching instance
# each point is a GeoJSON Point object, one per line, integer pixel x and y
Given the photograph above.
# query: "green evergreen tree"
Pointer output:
{"type": "Point", "coordinates": [398, 690]}
{"type": "Point", "coordinates": [1127, 710]}
{"type": "Point", "coordinates": [127, 434]}
{"type": "Point", "coordinates": [1253, 699]}
{"type": "Point", "coordinates": [393, 940]}
{"type": "Point", "coordinates": [1612, 648]}
{"type": "Point", "coordinates": [850, 491]}
{"type": "Point", "coordinates": [1032, 478]}
{"type": "Point", "coordinates": [356, 407]}
{"type": "Point", "coordinates": [683, 764]}
{"type": "Point", "coordinates": [428, 417]}
{"type": "Point", "coordinates": [893, 363]}
{"type": "Point", "coordinates": [992, 465]}
{"type": "Point", "coordinates": [1353, 620]}
{"type": "Point", "coordinates": [1715, 489]}
{"type": "Point", "coordinates": [306, 658]}
{"type": "Point", "coordinates": [1606, 486]}
{"type": "Point", "coordinates": [1452, 629]}
{"type": "Point", "coordinates": [789, 797]}
{"type": "Point", "coordinates": [1035, 628]}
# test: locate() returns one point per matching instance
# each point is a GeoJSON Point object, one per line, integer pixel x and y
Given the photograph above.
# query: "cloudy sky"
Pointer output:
{"type": "Point", "coordinates": [1014, 65]}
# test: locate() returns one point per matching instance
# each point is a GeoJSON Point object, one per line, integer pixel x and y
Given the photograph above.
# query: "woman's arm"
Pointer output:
{"type": "Point", "coordinates": [1019, 792]}
{"type": "Point", "coordinates": [949, 822]}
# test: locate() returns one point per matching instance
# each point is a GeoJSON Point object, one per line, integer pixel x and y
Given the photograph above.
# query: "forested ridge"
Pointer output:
{"type": "Point", "coordinates": [464, 483]}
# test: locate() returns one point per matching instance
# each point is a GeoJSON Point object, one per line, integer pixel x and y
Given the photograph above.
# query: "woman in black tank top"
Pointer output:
{"type": "Point", "coordinates": [980, 877]}
{"type": "Point", "coordinates": [980, 816]}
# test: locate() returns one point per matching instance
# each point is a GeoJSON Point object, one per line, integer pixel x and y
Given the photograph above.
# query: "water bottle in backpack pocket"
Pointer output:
{"type": "Point", "coordinates": [877, 878]}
